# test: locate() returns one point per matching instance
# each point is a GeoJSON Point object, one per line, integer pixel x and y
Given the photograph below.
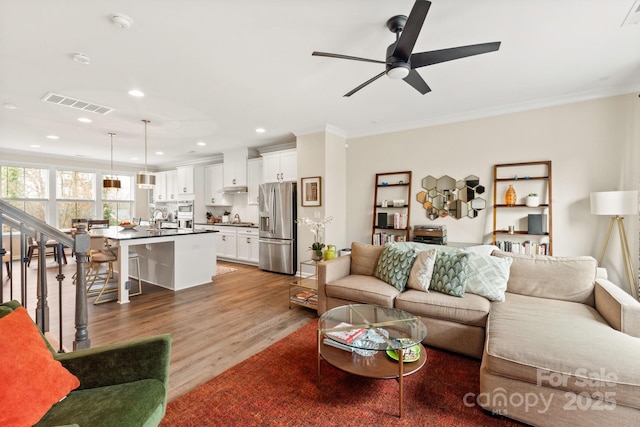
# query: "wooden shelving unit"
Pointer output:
{"type": "Point", "coordinates": [526, 177]}
{"type": "Point", "coordinates": [391, 186]}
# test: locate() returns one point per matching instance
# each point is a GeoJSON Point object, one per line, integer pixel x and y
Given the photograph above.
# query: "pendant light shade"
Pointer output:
{"type": "Point", "coordinates": [111, 182]}
{"type": "Point", "coordinates": [145, 179]}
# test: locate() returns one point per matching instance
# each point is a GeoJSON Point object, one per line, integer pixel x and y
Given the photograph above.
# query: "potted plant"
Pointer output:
{"type": "Point", "coordinates": [317, 229]}
{"type": "Point", "coordinates": [533, 201]}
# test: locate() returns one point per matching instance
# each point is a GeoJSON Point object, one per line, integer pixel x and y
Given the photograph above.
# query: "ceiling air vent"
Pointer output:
{"type": "Point", "coordinates": [66, 101]}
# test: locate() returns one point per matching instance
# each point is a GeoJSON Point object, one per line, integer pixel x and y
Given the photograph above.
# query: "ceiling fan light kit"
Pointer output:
{"type": "Point", "coordinates": [401, 62]}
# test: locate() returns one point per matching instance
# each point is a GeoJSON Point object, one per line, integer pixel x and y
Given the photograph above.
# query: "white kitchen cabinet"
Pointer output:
{"type": "Point", "coordinates": [235, 167]}
{"type": "Point", "coordinates": [280, 166]}
{"type": "Point", "coordinates": [226, 242]}
{"type": "Point", "coordinates": [247, 245]}
{"type": "Point", "coordinates": [172, 185]}
{"type": "Point", "coordinates": [185, 180]}
{"type": "Point", "coordinates": [254, 179]}
{"type": "Point", "coordinates": [160, 190]}
{"type": "Point", "coordinates": [213, 195]}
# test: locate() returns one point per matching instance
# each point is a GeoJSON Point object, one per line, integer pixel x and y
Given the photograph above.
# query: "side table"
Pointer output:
{"type": "Point", "coordinates": [304, 290]}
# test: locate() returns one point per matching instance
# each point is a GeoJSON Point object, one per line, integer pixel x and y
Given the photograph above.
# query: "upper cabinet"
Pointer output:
{"type": "Point", "coordinates": [185, 180]}
{"type": "Point", "coordinates": [172, 185]}
{"type": "Point", "coordinates": [280, 166]}
{"type": "Point", "coordinates": [160, 189]}
{"type": "Point", "coordinates": [254, 179]}
{"type": "Point", "coordinates": [213, 184]}
{"type": "Point", "coordinates": [235, 167]}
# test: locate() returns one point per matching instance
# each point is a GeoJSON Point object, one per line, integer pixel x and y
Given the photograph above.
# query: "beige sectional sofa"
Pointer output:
{"type": "Point", "coordinates": [563, 348]}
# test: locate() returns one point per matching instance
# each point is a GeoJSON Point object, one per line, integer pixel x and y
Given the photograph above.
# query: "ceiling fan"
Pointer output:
{"type": "Point", "coordinates": [401, 63]}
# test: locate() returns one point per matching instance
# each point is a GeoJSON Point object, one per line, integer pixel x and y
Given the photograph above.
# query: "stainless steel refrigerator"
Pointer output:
{"type": "Point", "coordinates": [277, 211]}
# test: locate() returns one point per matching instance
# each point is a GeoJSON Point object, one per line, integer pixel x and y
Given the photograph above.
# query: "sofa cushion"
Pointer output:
{"type": "Point", "coordinates": [394, 265]}
{"type": "Point", "coordinates": [562, 278]}
{"type": "Point", "coordinates": [422, 270]}
{"type": "Point", "coordinates": [363, 289]}
{"type": "Point", "coordinates": [138, 403]}
{"type": "Point", "coordinates": [562, 344]}
{"type": "Point", "coordinates": [487, 276]}
{"type": "Point", "coordinates": [450, 273]}
{"type": "Point", "coordinates": [470, 310]}
{"type": "Point", "coordinates": [32, 381]}
{"type": "Point", "coordinates": [364, 258]}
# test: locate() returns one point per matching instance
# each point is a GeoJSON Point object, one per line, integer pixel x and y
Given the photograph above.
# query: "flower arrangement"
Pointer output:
{"type": "Point", "coordinates": [317, 228]}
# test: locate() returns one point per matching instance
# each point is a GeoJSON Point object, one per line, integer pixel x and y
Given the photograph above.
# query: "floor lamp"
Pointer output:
{"type": "Point", "coordinates": [617, 204]}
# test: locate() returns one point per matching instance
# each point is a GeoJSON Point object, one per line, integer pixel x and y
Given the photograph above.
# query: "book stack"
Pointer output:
{"type": "Point", "coordinates": [384, 238]}
{"type": "Point", "coordinates": [432, 234]}
{"type": "Point", "coordinates": [527, 247]}
{"type": "Point", "coordinates": [342, 339]}
{"type": "Point", "coordinates": [399, 221]}
{"type": "Point", "coordinates": [306, 297]}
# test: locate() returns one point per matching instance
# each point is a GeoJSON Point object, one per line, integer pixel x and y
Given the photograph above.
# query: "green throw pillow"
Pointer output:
{"type": "Point", "coordinates": [395, 265]}
{"type": "Point", "coordinates": [450, 274]}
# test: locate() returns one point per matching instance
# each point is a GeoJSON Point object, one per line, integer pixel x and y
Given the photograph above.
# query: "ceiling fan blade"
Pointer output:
{"type": "Point", "coordinates": [443, 55]}
{"type": "Point", "coordinates": [353, 58]}
{"type": "Point", "coordinates": [371, 80]}
{"type": "Point", "coordinates": [418, 83]}
{"type": "Point", "coordinates": [411, 30]}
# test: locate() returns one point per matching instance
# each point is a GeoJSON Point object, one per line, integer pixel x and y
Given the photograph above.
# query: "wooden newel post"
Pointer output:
{"type": "Point", "coordinates": [82, 242]}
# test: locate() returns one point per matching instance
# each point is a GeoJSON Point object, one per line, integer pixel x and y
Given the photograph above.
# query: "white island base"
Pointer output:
{"type": "Point", "coordinates": [172, 261]}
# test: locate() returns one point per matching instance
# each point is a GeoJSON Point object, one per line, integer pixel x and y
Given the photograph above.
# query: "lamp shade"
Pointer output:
{"type": "Point", "coordinates": [146, 180]}
{"type": "Point", "coordinates": [614, 203]}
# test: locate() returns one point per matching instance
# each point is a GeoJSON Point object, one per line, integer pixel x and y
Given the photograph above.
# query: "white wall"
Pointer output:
{"type": "Point", "coordinates": [587, 142]}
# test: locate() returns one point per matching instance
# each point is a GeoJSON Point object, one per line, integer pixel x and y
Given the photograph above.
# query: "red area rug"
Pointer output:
{"type": "Point", "coordinates": [278, 387]}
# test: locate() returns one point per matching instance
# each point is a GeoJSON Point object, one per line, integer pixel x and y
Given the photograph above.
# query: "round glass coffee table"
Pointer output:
{"type": "Point", "coordinates": [372, 341]}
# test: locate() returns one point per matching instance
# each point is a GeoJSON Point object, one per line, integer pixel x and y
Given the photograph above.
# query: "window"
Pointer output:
{"type": "Point", "coordinates": [26, 189]}
{"type": "Point", "coordinates": [75, 196]}
{"type": "Point", "coordinates": [117, 204]}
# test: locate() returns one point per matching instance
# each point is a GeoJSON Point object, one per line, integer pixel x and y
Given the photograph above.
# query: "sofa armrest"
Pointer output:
{"type": "Point", "coordinates": [143, 358]}
{"type": "Point", "coordinates": [618, 308]}
{"type": "Point", "coordinates": [328, 271]}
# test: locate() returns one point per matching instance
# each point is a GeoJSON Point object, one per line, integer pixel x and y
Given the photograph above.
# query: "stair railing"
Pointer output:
{"type": "Point", "coordinates": [29, 226]}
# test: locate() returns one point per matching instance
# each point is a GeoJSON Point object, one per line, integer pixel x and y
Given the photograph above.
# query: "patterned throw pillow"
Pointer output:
{"type": "Point", "coordinates": [394, 265]}
{"type": "Point", "coordinates": [488, 276]}
{"type": "Point", "coordinates": [422, 270]}
{"type": "Point", "coordinates": [450, 273]}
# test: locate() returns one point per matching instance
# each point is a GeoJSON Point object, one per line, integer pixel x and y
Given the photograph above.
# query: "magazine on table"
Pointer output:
{"type": "Point", "coordinates": [346, 336]}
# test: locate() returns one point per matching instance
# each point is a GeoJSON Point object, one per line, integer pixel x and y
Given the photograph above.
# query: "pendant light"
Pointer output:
{"type": "Point", "coordinates": [145, 179]}
{"type": "Point", "coordinates": [111, 182]}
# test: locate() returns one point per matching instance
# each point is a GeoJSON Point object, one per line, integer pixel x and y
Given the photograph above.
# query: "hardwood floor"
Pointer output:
{"type": "Point", "coordinates": [214, 326]}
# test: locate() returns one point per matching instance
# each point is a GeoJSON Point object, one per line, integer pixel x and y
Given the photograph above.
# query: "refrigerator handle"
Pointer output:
{"type": "Point", "coordinates": [273, 210]}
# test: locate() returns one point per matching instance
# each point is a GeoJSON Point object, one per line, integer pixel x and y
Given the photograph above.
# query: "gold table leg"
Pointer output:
{"type": "Point", "coordinates": [400, 377]}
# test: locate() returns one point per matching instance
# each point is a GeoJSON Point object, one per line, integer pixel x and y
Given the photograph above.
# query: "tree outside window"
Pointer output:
{"type": "Point", "coordinates": [26, 189]}
{"type": "Point", "coordinates": [75, 196]}
{"type": "Point", "coordinates": [117, 205]}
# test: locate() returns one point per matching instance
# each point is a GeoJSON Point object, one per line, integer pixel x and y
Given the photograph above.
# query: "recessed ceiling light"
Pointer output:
{"type": "Point", "coordinates": [84, 120]}
{"type": "Point", "coordinates": [10, 107]}
{"type": "Point", "coordinates": [34, 146]}
{"type": "Point", "coordinates": [202, 144]}
{"type": "Point", "coordinates": [260, 130]}
{"type": "Point", "coordinates": [136, 92]}
{"type": "Point", "coordinates": [159, 153]}
{"type": "Point", "coordinates": [121, 20]}
{"type": "Point", "coordinates": [81, 58]}
{"type": "Point", "coordinates": [53, 137]}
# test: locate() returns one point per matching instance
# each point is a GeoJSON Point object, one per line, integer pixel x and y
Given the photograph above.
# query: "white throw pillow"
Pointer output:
{"type": "Point", "coordinates": [422, 270]}
{"type": "Point", "coordinates": [487, 276]}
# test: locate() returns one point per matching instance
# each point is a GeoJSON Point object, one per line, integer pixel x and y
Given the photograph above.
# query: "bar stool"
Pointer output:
{"type": "Point", "coordinates": [97, 260]}
{"type": "Point", "coordinates": [6, 258]}
{"type": "Point", "coordinates": [133, 256]}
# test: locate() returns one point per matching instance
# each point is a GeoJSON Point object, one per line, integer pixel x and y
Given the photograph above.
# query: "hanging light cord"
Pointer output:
{"type": "Point", "coordinates": [145, 143]}
{"type": "Point", "coordinates": [111, 133]}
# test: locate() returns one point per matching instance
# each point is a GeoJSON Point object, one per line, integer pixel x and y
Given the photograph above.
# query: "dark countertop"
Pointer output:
{"type": "Point", "coordinates": [141, 232]}
{"type": "Point", "coordinates": [230, 224]}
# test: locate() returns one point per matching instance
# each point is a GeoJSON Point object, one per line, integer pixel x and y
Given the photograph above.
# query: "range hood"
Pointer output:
{"type": "Point", "coordinates": [235, 190]}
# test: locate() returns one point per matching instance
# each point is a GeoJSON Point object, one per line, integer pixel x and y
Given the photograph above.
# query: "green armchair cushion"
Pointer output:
{"type": "Point", "coordinates": [32, 380]}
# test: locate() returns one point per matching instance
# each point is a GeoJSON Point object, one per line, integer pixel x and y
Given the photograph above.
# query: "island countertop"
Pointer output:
{"type": "Point", "coordinates": [143, 232]}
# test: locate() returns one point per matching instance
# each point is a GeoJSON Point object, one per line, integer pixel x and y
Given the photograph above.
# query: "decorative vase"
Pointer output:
{"type": "Point", "coordinates": [533, 201]}
{"type": "Point", "coordinates": [330, 253]}
{"type": "Point", "coordinates": [510, 198]}
{"type": "Point", "coordinates": [316, 255]}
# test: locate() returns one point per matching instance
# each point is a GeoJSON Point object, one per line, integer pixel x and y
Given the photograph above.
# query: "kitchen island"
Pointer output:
{"type": "Point", "coordinates": [171, 258]}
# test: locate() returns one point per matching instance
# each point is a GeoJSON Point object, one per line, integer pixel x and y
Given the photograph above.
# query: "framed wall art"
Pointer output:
{"type": "Point", "coordinates": [311, 191]}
